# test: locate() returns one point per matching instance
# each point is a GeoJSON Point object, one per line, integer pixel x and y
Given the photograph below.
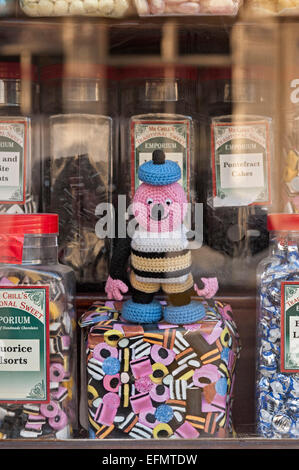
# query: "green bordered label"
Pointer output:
{"type": "Point", "coordinates": [13, 155]}
{"type": "Point", "coordinates": [289, 327]}
{"type": "Point", "coordinates": [24, 344]}
{"type": "Point", "coordinates": [173, 137]}
{"type": "Point", "coordinates": [240, 164]}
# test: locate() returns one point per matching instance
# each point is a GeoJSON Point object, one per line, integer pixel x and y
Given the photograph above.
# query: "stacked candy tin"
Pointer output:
{"type": "Point", "coordinates": [277, 383]}
{"type": "Point", "coordinates": [160, 380]}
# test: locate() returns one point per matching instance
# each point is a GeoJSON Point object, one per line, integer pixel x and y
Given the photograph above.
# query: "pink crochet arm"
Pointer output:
{"type": "Point", "coordinates": [210, 287]}
{"type": "Point", "coordinates": [114, 288]}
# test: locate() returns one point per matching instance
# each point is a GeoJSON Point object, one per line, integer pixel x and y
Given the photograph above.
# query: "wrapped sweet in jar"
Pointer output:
{"type": "Point", "coordinates": [277, 380]}
{"type": "Point", "coordinates": [37, 331]}
{"type": "Point", "coordinates": [188, 7]}
{"type": "Point", "coordinates": [102, 8]}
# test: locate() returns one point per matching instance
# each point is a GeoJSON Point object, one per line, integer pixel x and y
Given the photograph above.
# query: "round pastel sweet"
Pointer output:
{"type": "Point", "coordinates": [164, 413]}
{"type": "Point", "coordinates": [162, 430]}
{"type": "Point", "coordinates": [159, 393]}
{"type": "Point", "coordinates": [59, 421]}
{"type": "Point", "coordinates": [147, 417]}
{"type": "Point", "coordinates": [120, 8]}
{"type": "Point", "coordinates": [92, 394]}
{"type": "Point", "coordinates": [49, 410]}
{"type": "Point", "coordinates": [90, 6]}
{"type": "Point", "coordinates": [111, 400]}
{"type": "Point", "coordinates": [124, 377]}
{"type": "Point", "coordinates": [76, 7]}
{"type": "Point", "coordinates": [30, 9]}
{"type": "Point", "coordinates": [112, 337]}
{"type": "Point", "coordinates": [111, 383]}
{"type": "Point", "coordinates": [61, 8]}
{"type": "Point", "coordinates": [162, 355]}
{"type": "Point", "coordinates": [57, 372]}
{"type": "Point", "coordinates": [208, 371]}
{"type": "Point", "coordinates": [105, 7]}
{"type": "Point", "coordinates": [45, 8]}
{"type": "Point", "coordinates": [123, 343]}
{"type": "Point", "coordinates": [111, 366]}
{"type": "Point", "coordinates": [159, 372]}
{"type": "Point", "coordinates": [225, 338]}
{"type": "Point", "coordinates": [102, 351]}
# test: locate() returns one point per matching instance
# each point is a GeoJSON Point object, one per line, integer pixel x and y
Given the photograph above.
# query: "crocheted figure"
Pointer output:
{"type": "Point", "coordinates": [160, 258]}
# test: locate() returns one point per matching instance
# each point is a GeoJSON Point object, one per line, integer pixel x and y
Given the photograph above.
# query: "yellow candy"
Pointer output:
{"type": "Point", "coordinates": [157, 378]}
{"type": "Point", "coordinates": [112, 337]}
{"type": "Point", "coordinates": [162, 427]}
{"type": "Point", "coordinates": [14, 279]}
{"type": "Point", "coordinates": [54, 311]}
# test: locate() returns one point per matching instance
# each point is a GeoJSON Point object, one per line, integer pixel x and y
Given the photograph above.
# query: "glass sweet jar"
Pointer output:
{"type": "Point", "coordinates": [37, 331]}
{"type": "Point", "coordinates": [277, 380]}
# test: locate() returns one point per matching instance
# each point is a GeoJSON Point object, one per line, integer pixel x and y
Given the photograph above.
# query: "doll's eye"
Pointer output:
{"type": "Point", "coordinates": [149, 200]}
{"type": "Point", "coordinates": [168, 202]}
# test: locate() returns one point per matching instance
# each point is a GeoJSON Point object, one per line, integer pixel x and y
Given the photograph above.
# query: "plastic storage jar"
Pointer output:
{"type": "Point", "coordinates": [37, 331]}
{"type": "Point", "coordinates": [79, 104]}
{"type": "Point", "coordinates": [189, 7]}
{"type": "Point", "coordinates": [105, 8]}
{"type": "Point", "coordinates": [19, 142]}
{"type": "Point", "coordinates": [277, 381]}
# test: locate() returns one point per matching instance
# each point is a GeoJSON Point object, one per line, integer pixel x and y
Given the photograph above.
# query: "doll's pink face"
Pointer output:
{"type": "Point", "coordinates": [160, 208]}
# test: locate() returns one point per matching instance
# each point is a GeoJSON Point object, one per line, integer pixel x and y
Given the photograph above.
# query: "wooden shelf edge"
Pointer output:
{"type": "Point", "coordinates": [110, 444]}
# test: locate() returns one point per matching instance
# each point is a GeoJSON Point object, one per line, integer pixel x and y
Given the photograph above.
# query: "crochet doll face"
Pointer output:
{"type": "Point", "coordinates": [160, 208]}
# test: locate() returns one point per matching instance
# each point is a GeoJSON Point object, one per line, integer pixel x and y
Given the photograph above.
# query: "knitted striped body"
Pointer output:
{"type": "Point", "coordinates": [158, 251]}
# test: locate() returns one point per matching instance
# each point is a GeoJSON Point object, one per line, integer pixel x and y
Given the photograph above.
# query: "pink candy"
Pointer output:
{"type": "Point", "coordinates": [194, 7]}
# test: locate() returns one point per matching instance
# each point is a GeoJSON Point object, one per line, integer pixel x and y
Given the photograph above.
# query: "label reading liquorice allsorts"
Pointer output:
{"type": "Point", "coordinates": [240, 163]}
{"type": "Point", "coordinates": [290, 327]}
{"type": "Point", "coordinates": [173, 137]}
{"type": "Point", "coordinates": [24, 350]}
{"type": "Point", "coordinates": [13, 146]}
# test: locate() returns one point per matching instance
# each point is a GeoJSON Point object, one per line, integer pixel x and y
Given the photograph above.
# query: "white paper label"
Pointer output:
{"type": "Point", "coordinates": [19, 355]}
{"type": "Point", "coordinates": [241, 170]}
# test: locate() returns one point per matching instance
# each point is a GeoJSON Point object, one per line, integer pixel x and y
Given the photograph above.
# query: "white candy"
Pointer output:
{"type": "Point", "coordinates": [45, 8]}
{"type": "Point", "coordinates": [76, 8]}
{"type": "Point", "coordinates": [105, 7]}
{"type": "Point", "coordinates": [61, 7]}
{"type": "Point", "coordinates": [142, 7]}
{"type": "Point", "coordinates": [188, 8]}
{"type": "Point", "coordinates": [219, 7]}
{"type": "Point", "coordinates": [90, 6]}
{"type": "Point", "coordinates": [120, 8]}
{"type": "Point", "coordinates": [30, 9]}
{"type": "Point", "coordinates": [157, 6]}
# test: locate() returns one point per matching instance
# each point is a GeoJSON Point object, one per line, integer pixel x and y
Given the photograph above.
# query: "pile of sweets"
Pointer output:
{"type": "Point", "coordinates": [159, 380]}
{"type": "Point", "coordinates": [277, 392]}
{"type": "Point", "coordinates": [105, 8]}
{"type": "Point", "coordinates": [189, 7]}
{"type": "Point", "coordinates": [53, 420]}
{"type": "Point", "coordinates": [275, 6]}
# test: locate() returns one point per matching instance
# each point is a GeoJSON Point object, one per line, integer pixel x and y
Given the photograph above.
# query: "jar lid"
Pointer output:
{"type": "Point", "coordinates": [13, 70]}
{"type": "Point", "coordinates": [77, 70]}
{"type": "Point", "coordinates": [181, 72]}
{"type": "Point", "coordinates": [283, 222]}
{"type": "Point", "coordinates": [23, 224]}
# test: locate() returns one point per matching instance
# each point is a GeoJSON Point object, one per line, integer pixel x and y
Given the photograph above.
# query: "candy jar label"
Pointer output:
{"type": "Point", "coordinates": [290, 327]}
{"type": "Point", "coordinates": [24, 351]}
{"type": "Point", "coordinates": [240, 163]}
{"type": "Point", "coordinates": [13, 141]}
{"type": "Point", "coordinates": [173, 137]}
